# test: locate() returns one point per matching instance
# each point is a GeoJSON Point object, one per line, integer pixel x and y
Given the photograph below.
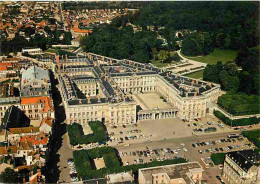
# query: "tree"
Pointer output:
{"type": "Point", "coordinates": [228, 82]}
{"type": "Point", "coordinates": [163, 55]}
{"type": "Point", "coordinates": [67, 38]}
{"type": "Point", "coordinates": [9, 176]}
{"type": "Point", "coordinates": [47, 29]}
{"type": "Point", "coordinates": [211, 73]}
{"type": "Point", "coordinates": [176, 57]}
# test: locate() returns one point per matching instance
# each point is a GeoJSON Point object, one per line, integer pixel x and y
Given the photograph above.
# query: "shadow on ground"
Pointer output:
{"type": "Point", "coordinates": [51, 169]}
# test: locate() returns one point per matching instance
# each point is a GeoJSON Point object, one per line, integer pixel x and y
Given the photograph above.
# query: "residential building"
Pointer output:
{"type": "Point", "coordinates": [37, 108]}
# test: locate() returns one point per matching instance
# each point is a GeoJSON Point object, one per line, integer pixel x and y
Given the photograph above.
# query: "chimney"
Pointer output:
{"type": "Point", "coordinates": [57, 58]}
{"type": "Point", "coordinates": [39, 172]}
{"type": "Point", "coordinates": [66, 58]}
{"type": "Point", "coordinates": [99, 100]}
{"type": "Point", "coordinates": [136, 70]}
{"type": "Point", "coordinates": [101, 74]}
{"type": "Point", "coordinates": [59, 68]}
{"type": "Point", "coordinates": [88, 99]}
{"type": "Point", "coordinates": [195, 93]}
{"type": "Point", "coordinates": [197, 81]}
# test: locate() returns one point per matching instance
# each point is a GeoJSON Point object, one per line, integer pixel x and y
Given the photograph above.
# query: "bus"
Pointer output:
{"type": "Point", "coordinates": [233, 136]}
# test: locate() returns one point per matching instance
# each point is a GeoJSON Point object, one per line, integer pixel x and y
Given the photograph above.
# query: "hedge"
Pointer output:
{"type": "Point", "coordinates": [237, 122]}
{"type": "Point", "coordinates": [218, 158]}
{"type": "Point", "coordinates": [83, 160]}
{"type": "Point", "coordinates": [77, 136]}
{"type": "Point", "coordinates": [239, 103]}
{"type": "Point", "coordinates": [253, 136]}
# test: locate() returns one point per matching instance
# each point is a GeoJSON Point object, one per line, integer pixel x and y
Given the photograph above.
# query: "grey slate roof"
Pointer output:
{"type": "Point", "coordinates": [35, 72]}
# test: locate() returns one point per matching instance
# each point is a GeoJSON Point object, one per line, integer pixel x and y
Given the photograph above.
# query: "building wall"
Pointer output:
{"type": "Point", "coordinates": [134, 84]}
{"type": "Point", "coordinates": [113, 114]}
{"type": "Point", "coordinates": [33, 111]}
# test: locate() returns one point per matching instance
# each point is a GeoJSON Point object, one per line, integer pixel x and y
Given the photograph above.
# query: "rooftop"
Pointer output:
{"type": "Point", "coordinates": [245, 159]}
{"type": "Point", "coordinates": [174, 171]}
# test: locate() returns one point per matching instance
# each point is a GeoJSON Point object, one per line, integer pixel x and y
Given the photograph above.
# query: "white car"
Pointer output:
{"type": "Point", "coordinates": [184, 149]}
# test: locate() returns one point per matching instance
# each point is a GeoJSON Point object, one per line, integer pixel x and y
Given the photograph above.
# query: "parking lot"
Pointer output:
{"type": "Point", "coordinates": [73, 172]}
{"type": "Point", "coordinates": [147, 154]}
{"type": "Point", "coordinates": [222, 145]}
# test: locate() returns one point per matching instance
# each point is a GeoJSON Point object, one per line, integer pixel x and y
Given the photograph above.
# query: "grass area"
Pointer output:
{"type": "Point", "coordinates": [253, 136]}
{"type": "Point", "coordinates": [159, 63]}
{"type": "Point", "coordinates": [217, 55]}
{"type": "Point", "coordinates": [77, 136]}
{"type": "Point", "coordinates": [218, 158]}
{"type": "Point", "coordinates": [196, 75]}
{"type": "Point", "coordinates": [60, 51]}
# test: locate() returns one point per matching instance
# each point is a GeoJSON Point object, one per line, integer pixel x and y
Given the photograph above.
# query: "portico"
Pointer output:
{"type": "Point", "coordinates": [157, 114]}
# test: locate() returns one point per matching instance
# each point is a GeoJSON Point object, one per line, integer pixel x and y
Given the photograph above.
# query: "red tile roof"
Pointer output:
{"type": "Point", "coordinates": [36, 100]}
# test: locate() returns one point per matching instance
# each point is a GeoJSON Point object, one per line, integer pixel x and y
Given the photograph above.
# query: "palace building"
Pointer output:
{"type": "Point", "coordinates": [96, 87]}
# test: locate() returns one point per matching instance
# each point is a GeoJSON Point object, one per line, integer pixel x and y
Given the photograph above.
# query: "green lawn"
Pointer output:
{"type": "Point", "coordinates": [158, 63]}
{"type": "Point", "coordinates": [217, 55]}
{"type": "Point", "coordinates": [196, 75]}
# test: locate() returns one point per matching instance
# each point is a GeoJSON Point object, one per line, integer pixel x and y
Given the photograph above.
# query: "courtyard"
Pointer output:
{"type": "Point", "coordinates": [149, 101]}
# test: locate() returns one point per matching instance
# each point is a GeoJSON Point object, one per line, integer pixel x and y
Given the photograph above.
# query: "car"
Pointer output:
{"type": "Point", "coordinates": [221, 181]}
{"type": "Point", "coordinates": [126, 138]}
{"type": "Point", "coordinates": [124, 126]}
{"type": "Point", "coordinates": [194, 145]}
{"type": "Point", "coordinates": [182, 144]}
{"type": "Point", "coordinates": [126, 163]}
{"type": "Point", "coordinates": [149, 141]}
{"type": "Point", "coordinates": [185, 149]}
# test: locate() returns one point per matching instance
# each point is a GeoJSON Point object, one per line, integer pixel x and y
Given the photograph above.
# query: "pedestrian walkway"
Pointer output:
{"type": "Point", "coordinates": [65, 153]}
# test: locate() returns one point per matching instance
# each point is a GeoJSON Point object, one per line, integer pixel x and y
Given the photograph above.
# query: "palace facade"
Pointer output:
{"type": "Point", "coordinates": [96, 87]}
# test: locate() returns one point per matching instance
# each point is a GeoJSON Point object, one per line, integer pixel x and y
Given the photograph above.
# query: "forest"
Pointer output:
{"type": "Point", "coordinates": [205, 26]}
